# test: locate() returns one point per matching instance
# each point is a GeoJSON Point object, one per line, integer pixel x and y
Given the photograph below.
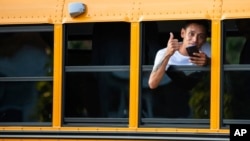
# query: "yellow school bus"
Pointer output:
{"type": "Point", "coordinates": [78, 70]}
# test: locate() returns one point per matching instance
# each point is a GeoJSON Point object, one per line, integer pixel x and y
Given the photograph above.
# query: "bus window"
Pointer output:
{"type": "Point", "coordinates": [236, 61]}
{"type": "Point", "coordinates": [26, 74]}
{"type": "Point", "coordinates": [97, 70]}
{"type": "Point", "coordinates": [184, 91]}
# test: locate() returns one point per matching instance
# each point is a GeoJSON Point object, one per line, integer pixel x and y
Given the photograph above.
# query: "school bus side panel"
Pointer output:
{"type": "Point", "coordinates": [235, 9]}
{"type": "Point", "coordinates": [140, 10]}
{"type": "Point", "coordinates": [96, 10]}
{"type": "Point", "coordinates": [30, 11]}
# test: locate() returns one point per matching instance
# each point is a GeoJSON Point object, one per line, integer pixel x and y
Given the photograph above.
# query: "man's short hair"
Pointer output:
{"type": "Point", "coordinates": [204, 23]}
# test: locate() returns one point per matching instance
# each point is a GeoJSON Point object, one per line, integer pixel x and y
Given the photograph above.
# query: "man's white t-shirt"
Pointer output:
{"type": "Point", "coordinates": [177, 58]}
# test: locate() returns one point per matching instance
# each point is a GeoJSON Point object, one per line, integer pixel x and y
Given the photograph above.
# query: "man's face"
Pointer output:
{"type": "Point", "coordinates": [194, 34]}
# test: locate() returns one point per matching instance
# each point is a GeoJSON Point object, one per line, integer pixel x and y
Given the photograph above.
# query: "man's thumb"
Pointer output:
{"type": "Point", "coordinates": [171, 36]}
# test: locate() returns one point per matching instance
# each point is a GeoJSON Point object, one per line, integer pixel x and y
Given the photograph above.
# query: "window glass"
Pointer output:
{"type": "Point", "coordinates": [184, 90]}
{"type": "Point", "coordinates": [236, 69]}
{"type": "Point", "coordinates": [97, 59]}
{"type": "Point", "coordinates": [25, 76]}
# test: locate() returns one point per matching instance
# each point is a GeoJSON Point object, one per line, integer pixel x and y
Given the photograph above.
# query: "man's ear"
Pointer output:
{"type": "Point", "coordinates": [183, 32]}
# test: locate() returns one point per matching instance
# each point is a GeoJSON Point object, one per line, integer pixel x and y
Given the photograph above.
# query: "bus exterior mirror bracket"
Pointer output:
{"type": "Point", "coordinates": [76, 8]}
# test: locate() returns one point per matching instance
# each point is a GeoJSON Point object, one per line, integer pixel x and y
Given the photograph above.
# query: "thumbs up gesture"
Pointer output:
{"type": "Point", "coordinates": [173, 45]}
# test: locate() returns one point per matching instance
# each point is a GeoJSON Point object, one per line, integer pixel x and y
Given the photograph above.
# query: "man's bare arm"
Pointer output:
{"type": "Point", "coordinates": [158, 72]}
{"type": "Point", "coordinates": [160, 68]}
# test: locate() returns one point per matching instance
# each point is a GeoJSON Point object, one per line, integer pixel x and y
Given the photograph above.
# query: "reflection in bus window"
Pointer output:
{"type": "Point", "coordinates": [236, 81]}
{"type": "Point", "coordinates": [24, 55]}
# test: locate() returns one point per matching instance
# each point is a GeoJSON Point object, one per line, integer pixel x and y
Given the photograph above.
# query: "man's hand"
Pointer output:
{"type": "Point", "coordinates": [200, 59]}
{"type": "Point", "coordinates": [172, 46]}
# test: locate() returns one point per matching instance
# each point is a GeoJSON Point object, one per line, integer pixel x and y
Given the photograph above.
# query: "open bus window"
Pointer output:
{"type": "Point", "coordinates": [184, 91]}
{"type": "Point", "coordinates": [236, 49]}
{"type": "Point", "coordinates": [97, 58]}
{"type": "Point", "coordinates": [26, 75]}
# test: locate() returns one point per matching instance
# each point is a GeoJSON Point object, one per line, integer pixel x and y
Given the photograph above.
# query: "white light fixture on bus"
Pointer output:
{"type": "Point", "coordinates": [76, 9]}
